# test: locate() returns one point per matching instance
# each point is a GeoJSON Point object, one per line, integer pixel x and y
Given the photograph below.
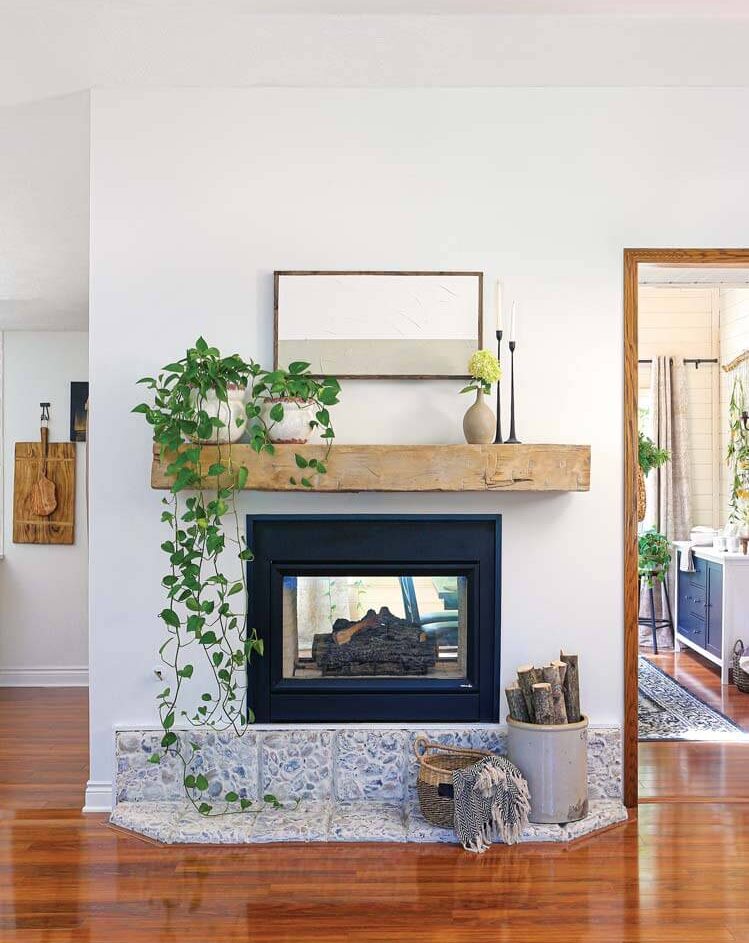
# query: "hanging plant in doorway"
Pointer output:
{"type": "Point", "coordinates": [737, 453]}
{"type": "Point", "coordinates": [195, 400]}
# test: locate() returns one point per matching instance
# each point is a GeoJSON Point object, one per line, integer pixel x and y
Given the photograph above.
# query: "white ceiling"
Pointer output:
{"type": "Point", "coordinates": [702, 275]}
{"type": "Point", "coordinates": [708, 8]}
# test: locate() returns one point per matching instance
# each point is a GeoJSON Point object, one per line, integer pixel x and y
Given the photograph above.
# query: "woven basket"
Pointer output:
{"type": "Point", "coordinates": [434, 783]}
{"type": "Point", "coordinates": [641, 495]}
{"type": "Point", "coordinates": [740, 677]}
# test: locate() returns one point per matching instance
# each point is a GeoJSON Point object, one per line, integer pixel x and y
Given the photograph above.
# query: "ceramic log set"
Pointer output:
{"type": "Point", "coordinates": [548, 739]}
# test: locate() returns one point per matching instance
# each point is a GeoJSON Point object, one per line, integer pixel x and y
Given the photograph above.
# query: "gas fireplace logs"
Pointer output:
{"type": "Point", "coordinates": [549, 695]}
{"type": "Point", "coordinates": [378, 644]}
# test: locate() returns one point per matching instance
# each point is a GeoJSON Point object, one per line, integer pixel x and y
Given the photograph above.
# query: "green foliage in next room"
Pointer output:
{"type": "Point", "coordinates": [654, 556]}
{"type": "Point", "coordinates": [650, 456]}
{"type": "Point", "coordinates": [205, 587]}
{"type": "Point", "coordinates": [737, 454]}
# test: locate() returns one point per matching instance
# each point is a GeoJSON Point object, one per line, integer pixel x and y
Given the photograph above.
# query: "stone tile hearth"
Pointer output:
{"type": "Point", "coordinates": [314, 821]}
{"type": "Point", "coordinates": [348, 784]}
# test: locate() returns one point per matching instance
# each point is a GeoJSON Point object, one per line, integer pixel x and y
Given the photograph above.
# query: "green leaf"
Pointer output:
{"type": "Point", "coordinates": [276, 412]}
{"type": "Point", "coordinates": [216, 469]}
{"type": "Point", "coordinates": [170, 617]}
{"type": "Point", "coordinates": [236, 588]}
{"type": "Point", "coordinates": [204, 808]}
{"type": "Point", "coordinates": [168, 721]}
{"type": "Point", "coordinates": [201, 782]}
{"type": "Point", "coordinates": [208, 638]}
{"type": "Point", "coordinates": [141, 408]}
{"type": "Point", "coordinates": [245, 803]}
{"type": "Point", "coordinates": [190, 781]}
{"type": "Point", "coordinates": [298, 366]}
{"type": "Point", "coordinates": [217, 658]}
{"type": "Point", "coordinates": [306, 482]}
{"type": "Point", "coordinates": [231, 797]}
{"type": "Point", "coordinates": [154, 758]}
{"type": "Point", "coordinates": [300, 460]}
{"type": "Point", "coordinates": [168, 739]}
{"type": "Point", "coordinates": [186, 672]}
{"type": "Point", "coordinates": [206, 697]}
{"type": "Point", "coordinates": [242, 476]}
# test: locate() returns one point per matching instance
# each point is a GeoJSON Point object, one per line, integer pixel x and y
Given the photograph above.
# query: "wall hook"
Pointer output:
{"type": "Point", "coordinates": [45, 411]}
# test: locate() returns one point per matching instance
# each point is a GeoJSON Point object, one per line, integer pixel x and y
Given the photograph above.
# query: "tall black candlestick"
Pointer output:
{"type": "Point", "coordinates": [512, 438]}
{"type": "Point", "coordinates": [498, 437]}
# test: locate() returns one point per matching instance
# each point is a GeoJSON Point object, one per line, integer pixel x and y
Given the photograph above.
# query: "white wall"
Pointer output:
{"type": "Point", "coordinates": [197, 195]}
{"type": "Point", "coordinates": [44, 180]}
{"type": "Point", "coordinates": [43, 588]}
{"type": "Point", "coordinates": [684, 321]}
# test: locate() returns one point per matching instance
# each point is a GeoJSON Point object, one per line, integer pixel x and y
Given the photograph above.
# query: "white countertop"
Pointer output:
{"type": "Point", "coordinates": [715, 556]}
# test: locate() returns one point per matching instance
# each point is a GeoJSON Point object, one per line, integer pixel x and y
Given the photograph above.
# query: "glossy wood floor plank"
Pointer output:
{"type": "Point", "coordinates": [675, 873]}
{"type": "Point", "coordinates": [699, 771]}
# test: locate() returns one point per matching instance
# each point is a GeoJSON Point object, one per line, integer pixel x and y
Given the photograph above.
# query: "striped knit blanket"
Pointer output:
{"type": "Point", "coordinates": [491, 801]}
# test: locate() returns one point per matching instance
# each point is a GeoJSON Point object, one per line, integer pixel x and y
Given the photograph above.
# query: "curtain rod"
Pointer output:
{"type": "Point", "coordinates": [695, 360]}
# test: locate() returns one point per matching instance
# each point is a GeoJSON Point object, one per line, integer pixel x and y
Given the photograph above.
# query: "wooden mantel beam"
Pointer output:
{"type": "Point", "coordinates": [353, 468]}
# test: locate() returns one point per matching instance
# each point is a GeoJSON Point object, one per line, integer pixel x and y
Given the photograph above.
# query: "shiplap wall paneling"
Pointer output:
{"type": "Point", "coordinates": [681, 320]}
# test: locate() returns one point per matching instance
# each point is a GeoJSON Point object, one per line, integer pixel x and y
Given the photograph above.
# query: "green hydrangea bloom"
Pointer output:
{"type": "Point", "coordinates": [484, 366]}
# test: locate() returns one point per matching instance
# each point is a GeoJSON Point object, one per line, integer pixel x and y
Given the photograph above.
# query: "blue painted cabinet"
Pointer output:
{"type": "Point", "coordinates": [700, 618]}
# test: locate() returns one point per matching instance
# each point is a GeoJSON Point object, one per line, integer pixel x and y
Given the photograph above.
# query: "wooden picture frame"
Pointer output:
{"type": "Point", "coordinates": [286, 349]}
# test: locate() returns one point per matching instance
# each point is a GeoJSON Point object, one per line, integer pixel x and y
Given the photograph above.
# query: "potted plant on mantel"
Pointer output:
{"type": "Point", "coordinates": [479, 422]}
{"type": "Point", "coordinates": [193, 401]}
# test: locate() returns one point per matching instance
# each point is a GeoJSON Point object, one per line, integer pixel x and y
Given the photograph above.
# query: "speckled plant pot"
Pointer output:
{"type": "Point", "coordinates": [294, 427]}
{"type": "Point", "coordinates": [479, 422]}
{"type": "Point", "coordinates": [554, 760]}
{"type": "Point", "coordinates": [231, 413]}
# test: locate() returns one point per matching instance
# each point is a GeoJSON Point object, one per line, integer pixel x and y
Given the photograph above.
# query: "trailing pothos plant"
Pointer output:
{"type": "Point", "coordinates": [205, 613]}
{"type": "Point", "coordinates": [653, 557]}
{"type": "Point", "coordinates": [737, 453]}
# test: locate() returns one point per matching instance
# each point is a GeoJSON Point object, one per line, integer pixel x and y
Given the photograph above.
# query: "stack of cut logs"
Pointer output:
{"type": "Point", "coordinates": [548, 695]}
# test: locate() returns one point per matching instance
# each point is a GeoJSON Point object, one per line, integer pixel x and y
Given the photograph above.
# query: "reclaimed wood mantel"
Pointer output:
{"type": "Point", "coordinates": [353, 468]}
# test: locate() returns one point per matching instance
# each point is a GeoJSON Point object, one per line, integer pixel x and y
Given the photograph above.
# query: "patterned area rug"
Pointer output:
{"type": "Point", "coordinates": [667, 711]}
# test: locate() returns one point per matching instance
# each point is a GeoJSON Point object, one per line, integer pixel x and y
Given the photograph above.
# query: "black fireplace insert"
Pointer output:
{"type": "Point", "coordinates": [375, 617]}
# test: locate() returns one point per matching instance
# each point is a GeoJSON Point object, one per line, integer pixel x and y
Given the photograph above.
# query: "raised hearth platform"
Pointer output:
{"type": "Point", "coordinates": [353, 783]}
{"type": "Point", "coordinates": [177, 822]}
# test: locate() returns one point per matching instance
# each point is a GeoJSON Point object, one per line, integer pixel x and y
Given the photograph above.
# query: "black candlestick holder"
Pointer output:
{"type": "Point", "coordinates": [498, 436]}
{"type": "Point", "coordinates": [512, 439]}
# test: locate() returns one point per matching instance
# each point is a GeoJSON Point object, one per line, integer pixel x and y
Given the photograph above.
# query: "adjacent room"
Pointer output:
{"type": "Point", "coordinates": [374, 517]}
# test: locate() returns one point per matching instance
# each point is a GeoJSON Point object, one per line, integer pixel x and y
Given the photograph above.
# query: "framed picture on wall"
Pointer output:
{"type": "Point", "coordinates": [78, 411]}
{"type": "Point", "coordinates": [378, 325]}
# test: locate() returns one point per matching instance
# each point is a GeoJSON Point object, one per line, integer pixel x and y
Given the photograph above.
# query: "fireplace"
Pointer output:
{"type": "Point", "coordinates": [375, 618]}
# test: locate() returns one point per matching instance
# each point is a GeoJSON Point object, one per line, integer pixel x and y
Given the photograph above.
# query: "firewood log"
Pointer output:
{"type": "Point", "coordinates": [516, 703]}
{"type": "Point", "coordinates": [562, 668]}
{"type": "Point", "coordinates": [559, 711]}
{"type": "Point", "coordinates": [571, 688]}
{"type": "Point", "coordinates": [527, 677]}
{"type": "Point", "coordinates": [542, 704]}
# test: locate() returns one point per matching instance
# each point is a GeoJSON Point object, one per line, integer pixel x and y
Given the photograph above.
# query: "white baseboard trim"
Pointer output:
{"type": "Point", "coordinates": [98, 796]}
{"type": "Point", "coordinates": [43, 677]}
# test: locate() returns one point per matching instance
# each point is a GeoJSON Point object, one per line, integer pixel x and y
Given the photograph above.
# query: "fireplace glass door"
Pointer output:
{"type": "Point", "coordinates": [375, 626]}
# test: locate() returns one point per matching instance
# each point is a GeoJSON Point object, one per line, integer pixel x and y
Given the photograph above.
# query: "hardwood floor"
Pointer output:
{"type": "Point", "coordinates": [676, 871]}
{"type": "Point", "coordinates": [697, 772]}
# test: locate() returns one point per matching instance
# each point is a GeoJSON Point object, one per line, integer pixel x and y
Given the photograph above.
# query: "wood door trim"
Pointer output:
{"type": "Point", "coordinates": [632, 259]}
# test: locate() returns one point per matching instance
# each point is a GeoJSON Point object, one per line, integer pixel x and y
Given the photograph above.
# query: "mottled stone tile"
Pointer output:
{"type": "Point", "coordinates": [306, 821]}
{"type": "Point", "coordinates": [155, 820]}
{"type": "Point", "coordinates": [297, 764]}
{"type": "Point", "coordinates": [419, 830]}
{"type": "Point", "coordinates": [604, 763]}
{"type": "Point", "coordinates": [192, 828]}
{"type": "Point", "coordinates": [602, 813]}
{"type": "Point", "coordinates": [230, 763]}
{"type": "Point", "coordinates": [369, 764]}
{"type": "Point", "coordinates": [137, 779]}
{"type": "Point", "coordinates": [368, 822]}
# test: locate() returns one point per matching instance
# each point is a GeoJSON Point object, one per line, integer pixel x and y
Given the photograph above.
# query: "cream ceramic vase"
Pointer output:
{"type": "Point", "coordinates": [479, 422]}
{"type": "Point", "coordinates": [294, 427]}
{"type": "Point", "coordinates": [231, 413]}
{"type": "Point", "coordinates": [554, 760]}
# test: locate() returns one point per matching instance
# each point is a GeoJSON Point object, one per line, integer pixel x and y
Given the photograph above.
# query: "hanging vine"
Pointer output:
{"type": "Point", "coordinates": [737, 454]}
{"type": "Point", "coordinates": [205, 616]}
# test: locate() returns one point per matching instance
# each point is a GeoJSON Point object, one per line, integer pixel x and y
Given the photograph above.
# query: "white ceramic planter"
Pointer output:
{"type": "Point", "coordinates": [294, 427]}
{"type": "Point", "coordinates": [232, 414]}
{"type": "Point", "coordinates": [554, 760]}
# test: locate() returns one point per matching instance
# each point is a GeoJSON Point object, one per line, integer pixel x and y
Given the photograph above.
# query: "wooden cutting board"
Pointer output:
{"type": "Point", "coordinates": [59, 527]}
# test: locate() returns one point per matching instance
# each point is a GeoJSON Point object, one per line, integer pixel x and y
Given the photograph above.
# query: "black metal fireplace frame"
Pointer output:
{"type": "Point", "coordinates": [380, 544]}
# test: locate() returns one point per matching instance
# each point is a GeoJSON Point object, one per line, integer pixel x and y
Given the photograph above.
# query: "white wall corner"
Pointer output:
{"type": "Point", "coordinates": [49, 677]}
{"type": "Point", "coordinates": [99, 796]}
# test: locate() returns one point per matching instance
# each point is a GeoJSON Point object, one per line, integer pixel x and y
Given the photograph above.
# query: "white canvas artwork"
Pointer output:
{"type": "Point", "coordinates": [379, 324]}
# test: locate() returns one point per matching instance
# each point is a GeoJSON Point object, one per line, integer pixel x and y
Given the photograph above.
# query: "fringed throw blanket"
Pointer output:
{"type": "Point", "coordinates": [491, 800]}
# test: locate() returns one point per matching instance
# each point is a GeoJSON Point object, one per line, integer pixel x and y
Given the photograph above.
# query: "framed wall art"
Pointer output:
{"type": "Point", "coordinates": [378, 325]}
